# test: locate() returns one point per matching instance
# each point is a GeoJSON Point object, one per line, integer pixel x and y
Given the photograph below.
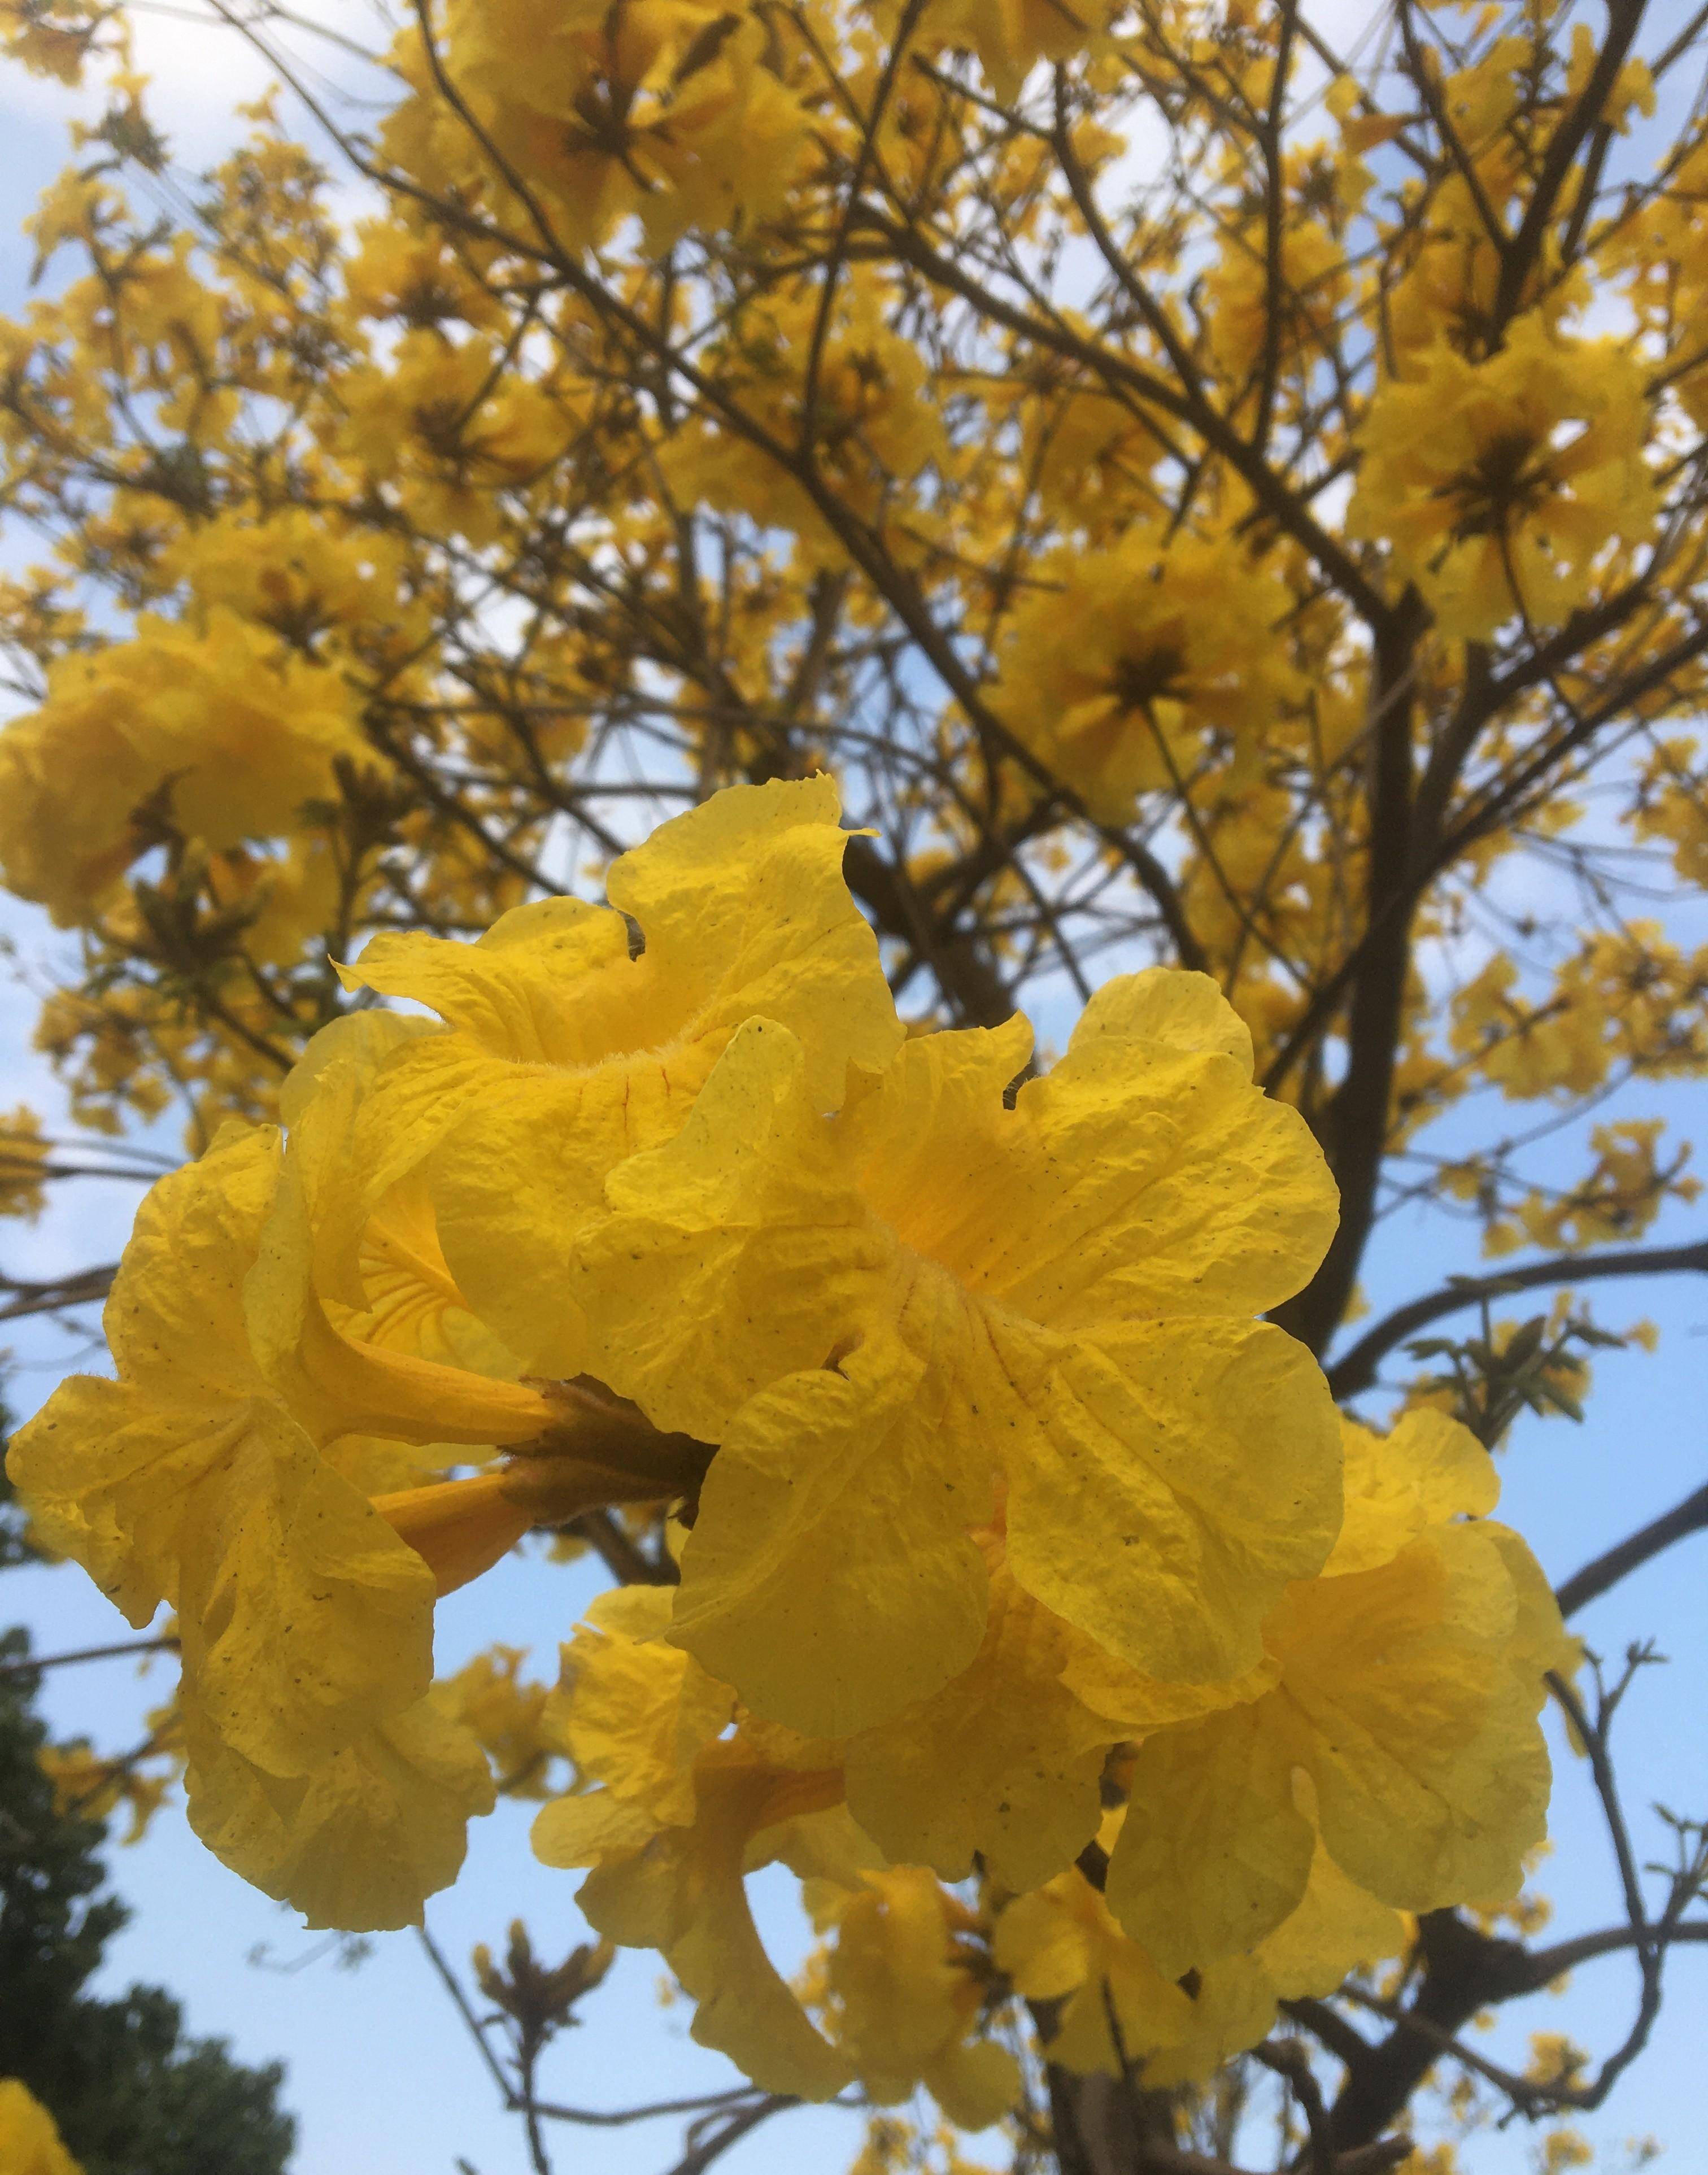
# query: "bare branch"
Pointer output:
{"type": "Point", "coordinates": [1357, 1370]}
{"type": "Point", "coordinates": [126, 1646]}
{"type": "Point", "coordinates": [1587, 1584]}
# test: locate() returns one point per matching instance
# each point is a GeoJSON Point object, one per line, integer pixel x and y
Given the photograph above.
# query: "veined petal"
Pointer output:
{"type": "Point", "coordinates": [358, 1373]}
{"type": "Point", "coordinates": [1168, 1186]}
{"type": "Point", "coordinates": [1004, 1760]}
{"type": "Point", "coordinates": [304, 1617]}
{"type": "Point", "coordinates": [1403, 1728]}
{"type": "Point", "coordinates": [1162, 1005]}
{"type": "Point", "coordinates": [792, 1584]}
{"type": "Point", "coordinates": [1165, 1487]}
{"type": "Point", "coordinates": [360, 1841]}
{"type": "Point", "coordinates": [104, 1468]}
{"type": "Point", "coordinates": [1213, 1854]}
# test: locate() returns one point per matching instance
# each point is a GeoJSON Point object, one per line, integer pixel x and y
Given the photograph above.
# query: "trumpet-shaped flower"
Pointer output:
{"type": "Point", "coordinates": [668, 111]}
{"type": "Point", "coordinates": [218, 729]}
{"type": "Point", "coordinates": [188, 1481]}
{"type": "Point", "coordinates": [679, 1814]}
{"type": "Point", "coordinates": [1499, 484]}
{"type": "Point", "coordinates": [316, 1767]}
{"type": "Point", "coordinates": [562, 1053]}
{"type": "Point", "coordinates": [1117, 669]}
{"type": "Point", "coordinates": [884, 1318]}
{"type": "Point", "coordinates": [1401, 1733]}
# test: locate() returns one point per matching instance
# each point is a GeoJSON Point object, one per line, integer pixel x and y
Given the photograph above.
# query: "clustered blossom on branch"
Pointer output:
{"type": "Point", "coordinates": [1187, 500]}
{"type": "Point", "coordinates": [1011, 1530]}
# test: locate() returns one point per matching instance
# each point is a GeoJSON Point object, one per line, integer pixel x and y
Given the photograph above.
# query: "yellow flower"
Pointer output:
{"type": "Point", "coordinates": [22, 1160]}
{"type": "Point", "coordinates": [874, 426]}
{"type": "Point", "coordinates": [285, 1327]}
{"type": "Point", "coordinates": [561, 1054]}
{"type": "Point", "coordinates": [186, 1480]}
{"type": "Point", "coordinates": [1120, 664]}
{"type": "Point", "coordinates": [214, 727]}
{"type": "Point", "coordinates": [306, 1621]}
{"type": "Point", "coordinates": [88, 1787]}
{"type": "Point", "coordinates": [1499, 484]}
{"type": "Point", "coordinates": [1060, 1943]}
{"type": "Point", "coordinates": [905, 1997]}
{"type": "Point", "coordinates": [450, 430]}
{"type": "Point", "coordinates": [882, 1316]}
{"type": "Point", "coordinates": [1401, 1734]}
{"type": "Point", "coordinates": [671, 111]}
{"type": "Point", "coordinates": [30, 2140]}
{"type": "Point", "coordinates": [295, 573]}
{"type": "Point", "coordinates": [489, 1697]}
{"type": "Point", "coordinates": [680, 1814]}
{"type": "Point", "coordinates": [1003, 1761]}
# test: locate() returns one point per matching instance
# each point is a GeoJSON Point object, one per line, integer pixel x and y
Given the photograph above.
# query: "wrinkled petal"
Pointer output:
{"type": "Point", "coordinates": [684, 1895]}
{"type": "Point", "coordinates": [304, 1617]}
{"type": "Point", "coordinates": [362, 1841]}
{"type": "Point", "coordinates": [633, 1711]}
{"type": "Point", "coordinates": [1164, 1489]}
{"type": "Point", "coordinates": [1213, 1854]}
{"type": "Point", "coordinates": [508, 991]}
{"type": "Point", "coordinates": [737, 1255]}
{"type": "Point", "coordinates": [1431, 1774]}
{"type": "Point", "coordinates": [793, 1585]}
{"type": "Point", "coordinates": [1428, 1469]}
{"type": "Point", "coordinates": [1004, 1760]}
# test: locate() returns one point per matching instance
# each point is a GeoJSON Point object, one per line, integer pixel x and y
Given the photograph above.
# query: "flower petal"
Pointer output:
{"type": "Point", "coordinates": [794, 1586]}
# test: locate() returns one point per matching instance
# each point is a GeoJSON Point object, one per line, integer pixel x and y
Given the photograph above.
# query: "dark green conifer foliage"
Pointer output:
{"type": "Point", "coordinates": [131, 2093]}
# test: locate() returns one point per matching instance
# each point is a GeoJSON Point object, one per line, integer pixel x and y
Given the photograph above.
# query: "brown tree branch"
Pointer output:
{"type": "Point", "coordinates": [30, 1664]}
{"type": "Point", "coordinates": [81, 1288]}
{"type": "Point", "coordinates": [1356, 1370]}
{"type": "Point", "coordinates": [1587, 1584]}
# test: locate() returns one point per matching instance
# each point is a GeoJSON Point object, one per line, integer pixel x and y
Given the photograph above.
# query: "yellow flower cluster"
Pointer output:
{"type": "Point", "coordinates": [1123, 666]}
{"type": "Point", "coordinates": [219, 733]}
{"type": "Point", "coordinates": [1002, 1496]}
{"type": "Point", "coordinates": [1383, 1756]}
{"type": "Point", "coordinates": [676, 112]}
{"type": "Point", "coordinates": [1500, 485]}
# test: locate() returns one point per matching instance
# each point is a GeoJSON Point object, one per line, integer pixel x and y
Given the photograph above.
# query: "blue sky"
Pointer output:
{"type": "Point", "coordinates": [381, 2074]}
